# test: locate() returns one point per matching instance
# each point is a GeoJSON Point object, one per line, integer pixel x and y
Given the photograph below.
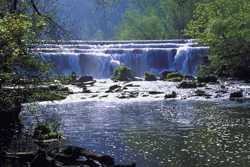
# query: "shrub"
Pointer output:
{"type": "Point", "coordinates": [149, 76]}
{"type": "Point", "coordinates": [44, 132]}
{"type": "Point", "coordinates": [176, 77]}
{"type": "Point", "coordinates": [123, 73]}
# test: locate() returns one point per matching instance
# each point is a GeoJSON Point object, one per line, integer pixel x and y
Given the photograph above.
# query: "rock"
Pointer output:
{"type": "Point", "coordinates": [103, 96]}
{"type": "Point", "coordinates": [131, 85]}
{"type": "Point", "coordinates": [155, 92]}
{"type": "Point", "coordinates": [64, 89]}
{"type": "Point", "coordinates": [85, 79]}
{"type": "Point", "coordinates": [114, 88]}
{"type": "Point", "coordinates": [127, 95]}
{"type": "Point", "coordinates": [144, 95]}
{"type": "Point", "coordinates": [79, 84]}
{"type": "Point", "coordinates": [85, 90]}
{"type": "Point", "coordinates": [208, 79]}
{"type": "Point", "coordinates": [40, 160]}
{"type": "Point", "coordinates": [138, 79]}
{"type": "Point", "coordinates": [221, 91]}
{"type": "Point", "coordinates": [222, 86]}
{"type": "Point", "coordinates": [132, 165]}
{"type": "Point", "coordinates": [93, 96]}
{"type": "Point", "coordinates": [171, 95]}
{"type": "Point", "coordinates": [54, 87]}
{"type": "Point", "coordinates": [199, 92]}
{"type": "Point", "coordinates": [90, 83]}
{"type": "Point", "coordinates": [200, 84]}
{"type": "Point", "coordinates": [68, 155]}
{"type": "Point", "coordinates": [236, 94]}
{"type": "Point", "coordinates": [149, 77]}
{"type": "Point", "coordinates": [187, 85]}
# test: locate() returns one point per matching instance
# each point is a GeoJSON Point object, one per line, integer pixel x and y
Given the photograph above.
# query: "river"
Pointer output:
{"type": "Point", "coordinates": [173, 133]}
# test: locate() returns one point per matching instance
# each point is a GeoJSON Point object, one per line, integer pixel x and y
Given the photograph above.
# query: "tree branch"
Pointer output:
{"type": "Point", "coordinates": [49, 19]}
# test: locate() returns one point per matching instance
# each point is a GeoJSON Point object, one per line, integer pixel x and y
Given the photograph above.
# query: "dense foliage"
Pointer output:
{"type": "Point", "coordinates": [16, 33]}
{"type": "Point", "coordinates": [224, 26]}
{"type": "Point", "coordinates": [123, 73]}
{"type": "Point", "coordinates": [21, 72]}
{"type": "Point", "coordinates": [157, 19]}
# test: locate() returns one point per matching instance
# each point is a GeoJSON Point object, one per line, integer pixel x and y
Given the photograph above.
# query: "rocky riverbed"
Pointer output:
{"type": "Point", "coordinates": [156, 90]}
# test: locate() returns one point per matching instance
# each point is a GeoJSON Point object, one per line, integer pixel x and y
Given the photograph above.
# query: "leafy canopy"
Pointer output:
{"type": "Point", "coordinates": [224, 26]}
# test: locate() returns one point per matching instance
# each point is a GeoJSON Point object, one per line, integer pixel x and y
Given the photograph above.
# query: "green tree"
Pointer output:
{"type": "Point", "coordinates": [137, 26]}
{"type": "Point", "coordinates": [224, 26]}
{"type": "Point", "coordinates": [157, 19]}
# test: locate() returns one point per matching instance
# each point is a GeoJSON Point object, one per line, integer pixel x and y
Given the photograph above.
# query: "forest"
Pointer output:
{"type": "Point", "coordinates": [126, 49]}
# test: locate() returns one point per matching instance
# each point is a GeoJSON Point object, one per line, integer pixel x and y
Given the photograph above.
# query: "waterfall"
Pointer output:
{"type": "Point", "coordinates": [100, 59]}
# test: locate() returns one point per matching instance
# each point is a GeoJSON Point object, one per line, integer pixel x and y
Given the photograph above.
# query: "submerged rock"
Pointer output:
{"type": "Point", "coordinates": [199, 92]}
{"type": "Point", "coordinates": [85, 90]}
{"type": "Point", "coordinates": [131, 85]}
{"type": "Point", "coordinates": [187, 85]}
{"type": "Point", "coordinates": [236, 94]}
{"type": "Point", "coordinates": [171, 95]}
{"type": "Point", "coordinates": [127, 95]}
{"type": "Point", "coordinates": [114, 88]}
{"type": "Point", "coordinates": [155, 92]}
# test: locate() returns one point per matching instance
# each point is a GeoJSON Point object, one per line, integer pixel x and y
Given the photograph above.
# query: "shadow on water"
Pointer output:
{"type": "Point", "coordinates": [159, 134]}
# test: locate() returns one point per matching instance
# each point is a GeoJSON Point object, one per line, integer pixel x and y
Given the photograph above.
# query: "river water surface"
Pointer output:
{"type": "Point", "coordinates": [159, 133]}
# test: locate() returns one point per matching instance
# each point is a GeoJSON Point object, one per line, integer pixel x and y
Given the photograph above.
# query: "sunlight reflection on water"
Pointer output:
{"type": "Point", "coordinates": [160, 133]}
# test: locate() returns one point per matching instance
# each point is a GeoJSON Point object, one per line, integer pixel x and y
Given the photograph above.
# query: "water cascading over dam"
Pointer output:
{"type": "Point", "coordinates": [100, 58]}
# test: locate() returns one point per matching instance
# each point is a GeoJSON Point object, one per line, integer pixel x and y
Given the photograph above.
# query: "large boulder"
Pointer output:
{"type": "Point", "coordinates": [150, 77]}
{"type": "Point", "coordinates": [187, 85]}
